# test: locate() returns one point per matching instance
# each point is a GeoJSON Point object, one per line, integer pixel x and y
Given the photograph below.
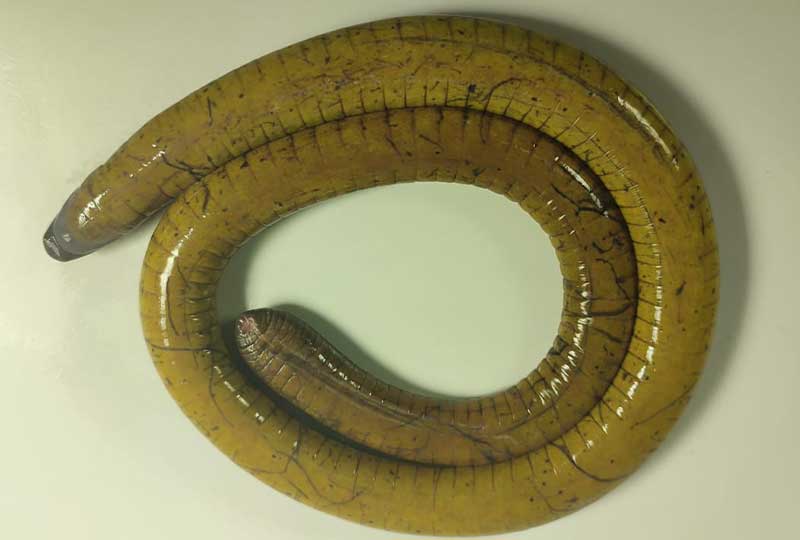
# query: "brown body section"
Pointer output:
{"type": "Point", "coordinates": [596, 258]}
{"type": "Point", "coordinates": [443, 99]}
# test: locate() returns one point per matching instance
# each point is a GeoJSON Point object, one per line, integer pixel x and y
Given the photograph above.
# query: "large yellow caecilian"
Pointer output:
{"type": "Point", "coordinates": [443, 99]}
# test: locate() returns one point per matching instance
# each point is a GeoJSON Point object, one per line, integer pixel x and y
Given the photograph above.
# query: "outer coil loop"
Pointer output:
{"type": "Point", "coordinates": [437, 99]}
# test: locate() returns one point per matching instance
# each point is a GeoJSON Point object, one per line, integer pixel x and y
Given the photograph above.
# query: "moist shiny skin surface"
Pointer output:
{"type": "Point", "coordinates": [596, 259]}
{"type": "Point", "coordinates": [437, 99]}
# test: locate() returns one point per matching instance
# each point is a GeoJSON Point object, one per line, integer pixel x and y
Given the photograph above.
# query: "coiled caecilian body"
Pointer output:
{"type": "Point", "coordinates": [434, 99]}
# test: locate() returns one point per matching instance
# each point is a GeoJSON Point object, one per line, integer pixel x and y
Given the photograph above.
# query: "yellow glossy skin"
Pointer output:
{"type": "Point", "coordinates": [596, 258]}
{"type": "Point", "coordinates": [442, 99]}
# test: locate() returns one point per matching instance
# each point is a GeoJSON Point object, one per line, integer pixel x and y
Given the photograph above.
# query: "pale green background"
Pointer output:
{"type": "Point", "coordinates": [448, 289]}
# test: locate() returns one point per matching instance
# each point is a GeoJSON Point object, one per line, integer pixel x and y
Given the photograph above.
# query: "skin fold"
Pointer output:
{"type": "Point", "coordinates": [443, 99]}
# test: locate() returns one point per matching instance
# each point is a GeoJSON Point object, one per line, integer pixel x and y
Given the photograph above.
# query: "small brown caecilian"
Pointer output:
{"type": "Point", "coordinates": [446, 99]}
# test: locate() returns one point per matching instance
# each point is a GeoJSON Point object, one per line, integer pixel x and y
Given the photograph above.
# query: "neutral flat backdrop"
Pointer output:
{"type": "Point", "coordinates": [445, 289]}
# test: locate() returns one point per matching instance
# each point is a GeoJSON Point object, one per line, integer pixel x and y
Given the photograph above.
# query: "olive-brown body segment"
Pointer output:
{"type": "Point", "coordinates": [596, 259]}
{"type": "Point", "coordinates": [441, 99]}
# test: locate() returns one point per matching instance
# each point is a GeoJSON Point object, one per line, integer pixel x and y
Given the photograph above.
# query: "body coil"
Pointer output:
{"type": "Point", "coordinates": [445, 99]}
